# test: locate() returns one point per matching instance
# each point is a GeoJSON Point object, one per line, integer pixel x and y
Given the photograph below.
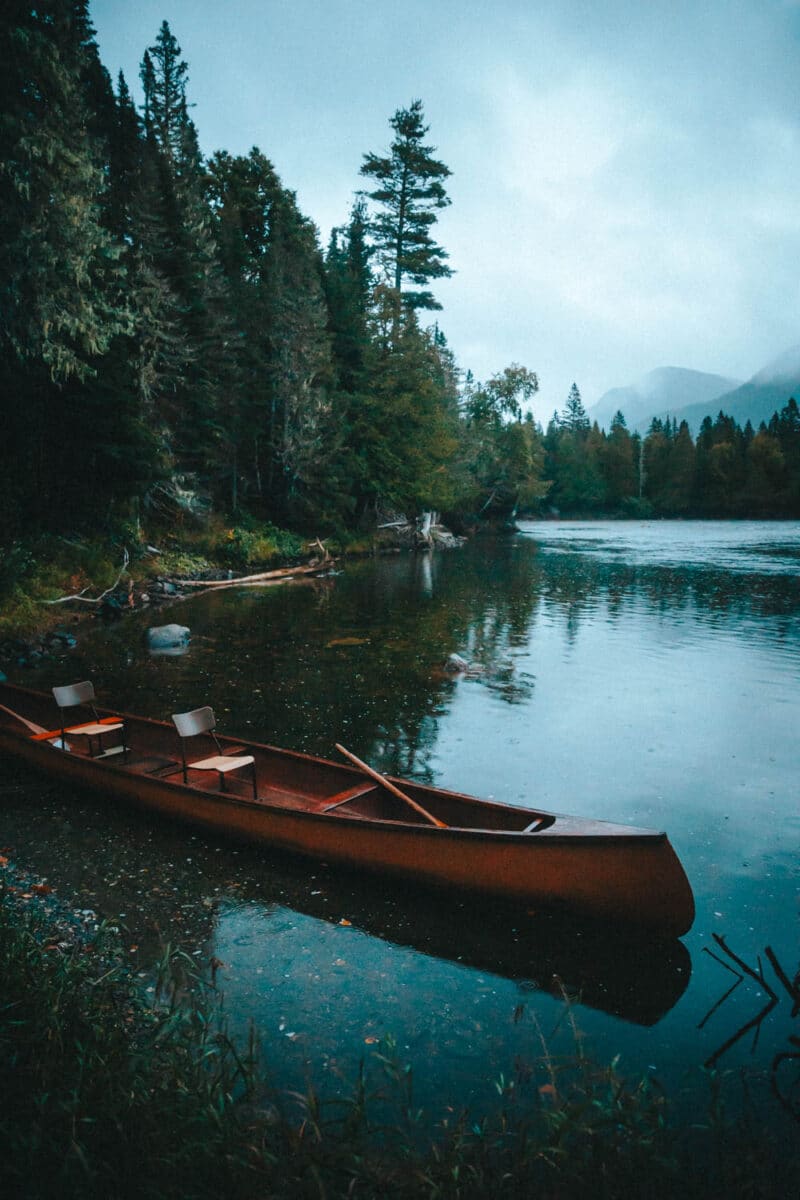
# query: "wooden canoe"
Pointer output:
{"type": "Point", "coordinates": [332, 811]}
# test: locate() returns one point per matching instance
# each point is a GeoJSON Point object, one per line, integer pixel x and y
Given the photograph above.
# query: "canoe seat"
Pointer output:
{"type": "Point", "coordinates": [81, 695]}
{"type": "Point", "coordinates": [351, 793]}
{"type": "Point", "coordinates": [202, 721]}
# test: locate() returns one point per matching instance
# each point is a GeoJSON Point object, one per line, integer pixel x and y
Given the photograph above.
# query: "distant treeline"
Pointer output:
{"type": "Point", "coordinates": [171, 332]}
{"type": "Point", "coordinates": [726, 471]}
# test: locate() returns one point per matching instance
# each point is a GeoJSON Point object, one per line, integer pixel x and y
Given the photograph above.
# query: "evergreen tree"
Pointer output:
{"type": "Point", "coordinates": [300, 373]}
{"type": "Point", "coordinates": [401, 434]}
{"type": "Point", "coordinates": [184, 255]}
{"type": "Point", "coordinates": [785, 426]}
{"type": "Point", "coordinates": [57, 264]}
{"type": "Point", "coordinates": [765, 480]}
{"type": "Point", "coordinates": [619, 467]}
{"type": "Point", "coordinates": [348, 287]}
{"type": "Point", "coordinates": [574, 418]}
{"type": "Point", "coordinates": [60, 281]}
{"type": "Point", "coordinates": [683, 465]}
{"type": "Point", "coordinates": [409, 191]}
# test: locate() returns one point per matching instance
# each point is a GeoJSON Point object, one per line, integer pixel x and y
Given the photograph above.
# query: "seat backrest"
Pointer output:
{"type": "Point", "coordinates": [199, 720]}
{"type": "Point", "coordinates": [73, 694]}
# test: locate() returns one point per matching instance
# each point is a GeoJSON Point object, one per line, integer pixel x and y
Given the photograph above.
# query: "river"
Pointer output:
{"type": "Point", "coordinates": [642, 672]}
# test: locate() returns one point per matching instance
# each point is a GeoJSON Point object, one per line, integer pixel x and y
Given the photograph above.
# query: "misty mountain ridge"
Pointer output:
{"type": "Point", "coordinates": [658, 394]}
{"type": "Point", "coordinates": [690, 396]}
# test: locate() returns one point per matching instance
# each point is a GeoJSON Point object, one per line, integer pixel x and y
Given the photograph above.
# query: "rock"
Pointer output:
{"type": "Point", "coordinates": [168, 637]}
{"type": "Point", "coordinates": [456, 663]}
{"type": "Point", "coordinates": [445, 540]}
{"type": "Point", "coordinates": [113, 605]}
{"type": "Point", "coordinates": [61, 640]}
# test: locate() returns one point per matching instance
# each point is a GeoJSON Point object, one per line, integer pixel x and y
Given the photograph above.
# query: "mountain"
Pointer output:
{"type": "Point", "coordinates": [755, 401]}
{"type": "Point", "coordinates": [664, 392]}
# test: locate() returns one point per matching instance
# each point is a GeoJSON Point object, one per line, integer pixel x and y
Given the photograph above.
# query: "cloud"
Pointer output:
{"type": "Point", "coordinates": [624, 175]}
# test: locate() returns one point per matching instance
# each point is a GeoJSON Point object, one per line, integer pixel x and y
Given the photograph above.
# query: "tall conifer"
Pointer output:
{"type": "Point", "coordinates": [409, 191]}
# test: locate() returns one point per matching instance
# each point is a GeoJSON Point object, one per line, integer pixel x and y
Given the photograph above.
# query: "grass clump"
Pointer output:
{"type": "Point", "coordinates": [33, 572]}
{"type": "Point", "coordinates": [107, 1096]}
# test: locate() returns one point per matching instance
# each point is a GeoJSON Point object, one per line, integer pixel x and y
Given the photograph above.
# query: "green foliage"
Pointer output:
{"type": "Point", "coordinates": [503, 453]}
{"type": "Point", "coordinates": [58, 274]}
{"type": "Point", "coordinates": [258, 545]}
{"type": "Point", "coordinates": [726, 472]}
{"type": "Point", "coordinates": [401, 431]}
{"type": "Point", "coordinates": [166, 315]}
{"type": "Point", "coordinates": [105, 1097]}
{"type": "Point", "coordinates": [108, 1096]}
{"type": "Point", "coordinates": [409, 189]}
{"type": "Point", "coordinates": [41, 569]}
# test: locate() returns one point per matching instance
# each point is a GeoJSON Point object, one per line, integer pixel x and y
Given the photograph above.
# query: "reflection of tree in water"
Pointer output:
{"type": "Point", "coordinates": [577, 587]}
{"type": "Point", "coordinates": [358, 657]}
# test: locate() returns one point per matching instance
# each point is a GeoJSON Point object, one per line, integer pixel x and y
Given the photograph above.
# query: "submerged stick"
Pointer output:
{"type": "Point", "coordinates": [390, 787]}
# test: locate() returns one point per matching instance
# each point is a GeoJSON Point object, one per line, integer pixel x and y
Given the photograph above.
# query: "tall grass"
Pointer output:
{"type": "Point", "coordinates": [105, 1095]}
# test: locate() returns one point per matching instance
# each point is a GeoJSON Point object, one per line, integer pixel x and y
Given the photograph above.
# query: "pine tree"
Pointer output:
{"type": "Point", "coordinates": [57, 264]}
{"type": "Point", "coordinates": [60, 279]}
{"type": "Point", "coordinates": [401, 435]}
{"type": "Point", "coordinates": [348, 288]}
{"type": "Point", "coordinates": [409, 191]}
{"type": "Point", "coordinates": [300, 370]}
{"type": "Point", "coordinates": [619, 465]}
{"type": "Point", "coordinates": [574, 418]}
{"type": "Point", "coordinates": [183, 253]}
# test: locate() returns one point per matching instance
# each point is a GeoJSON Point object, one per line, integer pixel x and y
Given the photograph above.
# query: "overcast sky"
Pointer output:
{"type": "Point", "coordinates": [626, 174]}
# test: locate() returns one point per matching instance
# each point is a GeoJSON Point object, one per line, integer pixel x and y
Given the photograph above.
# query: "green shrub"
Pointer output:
{"type": "Point", "coordinates": [254, 544]}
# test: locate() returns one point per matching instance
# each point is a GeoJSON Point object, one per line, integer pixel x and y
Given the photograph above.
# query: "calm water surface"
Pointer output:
{"type": "Point", "coordinates": [645, 673]}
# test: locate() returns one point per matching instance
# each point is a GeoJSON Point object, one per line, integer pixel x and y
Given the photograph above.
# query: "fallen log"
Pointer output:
{"type": "Point", "coordinates": [263, 576]}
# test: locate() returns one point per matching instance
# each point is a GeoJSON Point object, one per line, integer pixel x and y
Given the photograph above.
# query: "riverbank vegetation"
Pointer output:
{"type": "Point", "coordinates": [142, 1093]}
{"type": "Point", "coordinates": [176, 343]}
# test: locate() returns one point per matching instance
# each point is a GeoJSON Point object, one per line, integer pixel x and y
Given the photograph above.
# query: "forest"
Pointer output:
{"type": "Point", "coordinates": [175, 338]}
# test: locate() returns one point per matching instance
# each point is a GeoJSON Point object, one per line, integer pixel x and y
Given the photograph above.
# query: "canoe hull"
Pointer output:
{"type": "Point", "coordinates": [630, 876]}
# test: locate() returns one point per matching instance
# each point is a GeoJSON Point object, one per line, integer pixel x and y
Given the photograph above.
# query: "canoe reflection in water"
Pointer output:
{"type": "Point", "coordinates": [632, 976]}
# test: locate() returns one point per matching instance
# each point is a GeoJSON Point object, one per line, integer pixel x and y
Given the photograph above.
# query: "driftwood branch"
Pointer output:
{"type": "Point", "coordinates": [262, 577]}
{"type": "Point", "coordinates": [323, 549]}
{"type": "Point", "coordinates": [81, 598]}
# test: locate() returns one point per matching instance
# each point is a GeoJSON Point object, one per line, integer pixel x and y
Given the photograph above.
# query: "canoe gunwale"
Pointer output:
{"type": "Point", "coordinates": [115, 770]}
{"type": "Point", "coordinates": [620, 872]}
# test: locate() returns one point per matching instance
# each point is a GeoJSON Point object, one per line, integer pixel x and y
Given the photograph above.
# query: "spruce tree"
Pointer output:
{"type": "Point", "coordinates": [574, 418]}
{"type": "Point", "coordinates": [183, 253]}
{"type": "Point", "coordinates": [61, 294]}
{"type": "Point", "coordinates": [619, 464]}
{"type": "Point", "coordinates": [348, 288]}
{"type": "Point", "coordinates": [409, 191]}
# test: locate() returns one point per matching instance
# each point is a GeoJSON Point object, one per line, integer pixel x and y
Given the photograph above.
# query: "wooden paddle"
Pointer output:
{"type": "Point", "coordinates": [40, 729]}
{"type": "Point", "coordinates": [390, 787]}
